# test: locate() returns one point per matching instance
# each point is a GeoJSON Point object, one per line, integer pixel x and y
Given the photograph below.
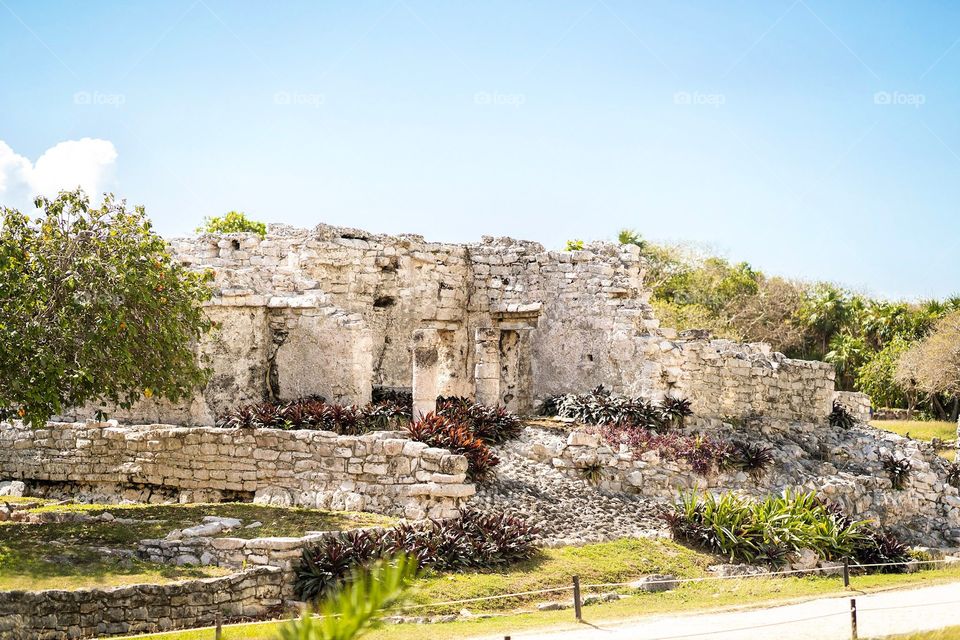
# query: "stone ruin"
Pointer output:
{"type": "Point", "coordinates": [338, 312]}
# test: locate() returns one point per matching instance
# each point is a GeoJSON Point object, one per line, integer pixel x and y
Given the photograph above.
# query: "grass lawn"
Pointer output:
{"type": "Point", "coordinates": [950, 633]}
{"type": "Point", "coordinates": [76, 555]}
{"type": "Point", "coordinates": [922, 430]}
{"type": "Point", "coordinates": [613, 561]}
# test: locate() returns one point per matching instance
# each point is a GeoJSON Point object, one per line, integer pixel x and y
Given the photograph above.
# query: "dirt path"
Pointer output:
{"type": "Point", "coordinates": [879, 614]}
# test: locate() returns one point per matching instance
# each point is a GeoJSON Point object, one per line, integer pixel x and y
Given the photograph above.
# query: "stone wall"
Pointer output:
{"type": "Point", "coordinates": [333, 311]}
{"type": "Point", "coordinates": [857, 403]}
{"type": "Point", "coordinates": [84, 613]}
{"type": "Point", "coordinates": [381, 472]}
{"type": "Point", "coordinates": [842, 465]}
{"type": "Point", "coordinates": [234, 553]}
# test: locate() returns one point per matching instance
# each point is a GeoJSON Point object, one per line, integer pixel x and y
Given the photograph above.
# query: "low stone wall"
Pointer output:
{"type": "Point", "coordinates": [234, 553]}
{"type": "Point", "coordinates": [381, 472]}
{"type": "Point", "coordinates": [85, 613]}
{"type": "Point", "coordinates": [842, 465]}
{"type": "Point", "coordinates": [856, 402]}
{"type": "Point", "coordinates": [725, 379]}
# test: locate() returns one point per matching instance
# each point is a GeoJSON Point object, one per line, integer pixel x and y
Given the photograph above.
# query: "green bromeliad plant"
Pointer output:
{"type": "Point", "coordinates": [769, 531]}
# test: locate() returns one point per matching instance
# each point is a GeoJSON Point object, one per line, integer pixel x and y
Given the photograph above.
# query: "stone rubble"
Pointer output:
{"type": "Point", "coordinates": [567, 510]}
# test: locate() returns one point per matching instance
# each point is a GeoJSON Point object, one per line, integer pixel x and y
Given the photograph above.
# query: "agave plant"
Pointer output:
{"type": "Point", "coordinates": [899, 469]}
{"type": "Point", "coordinates": [953, 475]}
{"type": "Point", "coordinates": [591, 472]}
{"type": "Point", "coordinates": [840, 416]}
{"type": "Point", "coordinates": [754, 459]}
{"type": "Point", "coordinates": [675, 411]}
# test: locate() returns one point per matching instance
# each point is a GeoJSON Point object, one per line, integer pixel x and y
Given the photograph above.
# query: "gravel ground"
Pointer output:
{"type": "Point", "coordinates": [567, 510]}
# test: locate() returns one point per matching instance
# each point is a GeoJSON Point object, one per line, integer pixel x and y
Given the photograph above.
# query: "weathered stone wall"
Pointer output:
{"type": "Point", "coordinates": [86, 613]}
{"type": "Point", "coordinates": [380, 472]}
{"type": "Point", "coordinates": [234, 553]}
{"type": "Point", "coordinates": [333, 311]}
{"type": "Point", "coordinates": [857, 403]}
{"type": "Point", "coordinates": [725, 379]}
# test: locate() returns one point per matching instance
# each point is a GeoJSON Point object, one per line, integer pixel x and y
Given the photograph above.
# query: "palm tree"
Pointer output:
{"type": "Point", "coordinates": [629, 236]}
{"type": "Point", "coordinates": [355, 608]}
{"type": "Point", "coordinates": [846, 353]}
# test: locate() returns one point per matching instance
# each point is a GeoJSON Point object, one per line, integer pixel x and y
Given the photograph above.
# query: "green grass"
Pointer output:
{"type": "Point", "coordinates": [950, 633]}
{"type": "Point", "coordinates": [619, 561]}
{"type": "Point", "coordinates": [922, 430]}
{"type": "Point", "coordinates": [614, 561]}
{"type": "Point", "coordinates": [71, 555]}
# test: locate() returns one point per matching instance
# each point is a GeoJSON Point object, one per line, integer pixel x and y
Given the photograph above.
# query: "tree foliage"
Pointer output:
{"type": "Point", "coordinates": [933, 363]}
{"type": "Point", "coordinates": [864, 338]}
{"type": "Point", "coordinates": [93, 308]}
{"type": "Point", "coordinates": [232, 222]}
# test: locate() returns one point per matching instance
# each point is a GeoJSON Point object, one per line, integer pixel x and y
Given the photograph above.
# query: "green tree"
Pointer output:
{"type": "Point", "coordinates": [232, 222]}
{"type": "Point", "coordinates": [355, 608]}
{"type": "Point", "coordinates": [846, 354]}
{"type": "Point", "coordinates": [877, 376]}
{"type": "Point", "coordinates": [932, 365]}
{"type": "Point", "coordinates": [825, 312]}
{"type": "Point", "coordinates": [93, 308]}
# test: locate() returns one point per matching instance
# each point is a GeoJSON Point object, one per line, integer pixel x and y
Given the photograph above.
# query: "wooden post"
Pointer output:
{"type": "Point", "coordinates": [577, 607]}
{"type": "Point", "coordinates": [218, 634]}
{"type": "Point", "coordinates": [846, 573]}
{"type": "Point", "coordinates": [853, 619]}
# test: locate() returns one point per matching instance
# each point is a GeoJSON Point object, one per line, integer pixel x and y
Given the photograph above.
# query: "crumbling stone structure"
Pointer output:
{"type": "Point", "coordinates": [336, 312]}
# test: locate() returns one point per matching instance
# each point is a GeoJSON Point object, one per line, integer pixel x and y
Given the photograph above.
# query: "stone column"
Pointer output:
{"type": "Point", "coordinates": [426, 363]}
{"type": "Point", "coordinates": [487, 370]}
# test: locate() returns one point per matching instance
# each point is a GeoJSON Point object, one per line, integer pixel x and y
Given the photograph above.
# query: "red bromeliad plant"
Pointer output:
{"type": "Point", "coordinates": [444, 433]}
{"type": "Point", "coordinates": [703, 453]}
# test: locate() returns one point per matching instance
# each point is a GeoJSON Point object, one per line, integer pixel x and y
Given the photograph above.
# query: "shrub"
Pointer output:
{"type": "Point", "coordinates": [574, 245]}
{"type": "Point", "coordinates": [754, 459]}
{"type": "Point", "coordinates": [876, 546]}
{"type": "Point", "coordinates": [675, 411]}
{"type": "Point", "coordinates": [899, 469]}
{"type": "Point", "coordinates": [766, 530]}
{"type": "Point", "coordinates": [703, 453]}
{"type": "Point", "coordinates": [550, 406]}
{"type": "Point", "coordinates": [840, 416]}
{"type": "Point", "coordinates": [442, 432]}
{"type": "Point", "coordinates": [592, 472]}
{"type": "Point", "coordinates": [315, 413]}
{"type": "Point", "coordinates": [393, 396]}
{"type": "Point", "coordinates": [232, 222]}
{"type": "Point", "coordinates": [475, 540]}
{"type": "Point", "coordinates": [493, 425]}
{"type": "Point", "coordinates": [600, 406]}
{"type": "Point", "coordinates": [953, 475]}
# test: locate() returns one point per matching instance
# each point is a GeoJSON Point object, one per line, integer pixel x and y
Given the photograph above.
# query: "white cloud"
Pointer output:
{"type": "Point", "coordinates": [87, 163]}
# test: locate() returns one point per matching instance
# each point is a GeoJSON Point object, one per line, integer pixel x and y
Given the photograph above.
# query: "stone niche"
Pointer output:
{"type": "Point", "coordinates": [312, 345]}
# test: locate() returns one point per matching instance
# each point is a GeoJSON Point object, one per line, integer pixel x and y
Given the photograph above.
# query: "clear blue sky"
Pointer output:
{"type": "Point", "coordinates": [755, 127]}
